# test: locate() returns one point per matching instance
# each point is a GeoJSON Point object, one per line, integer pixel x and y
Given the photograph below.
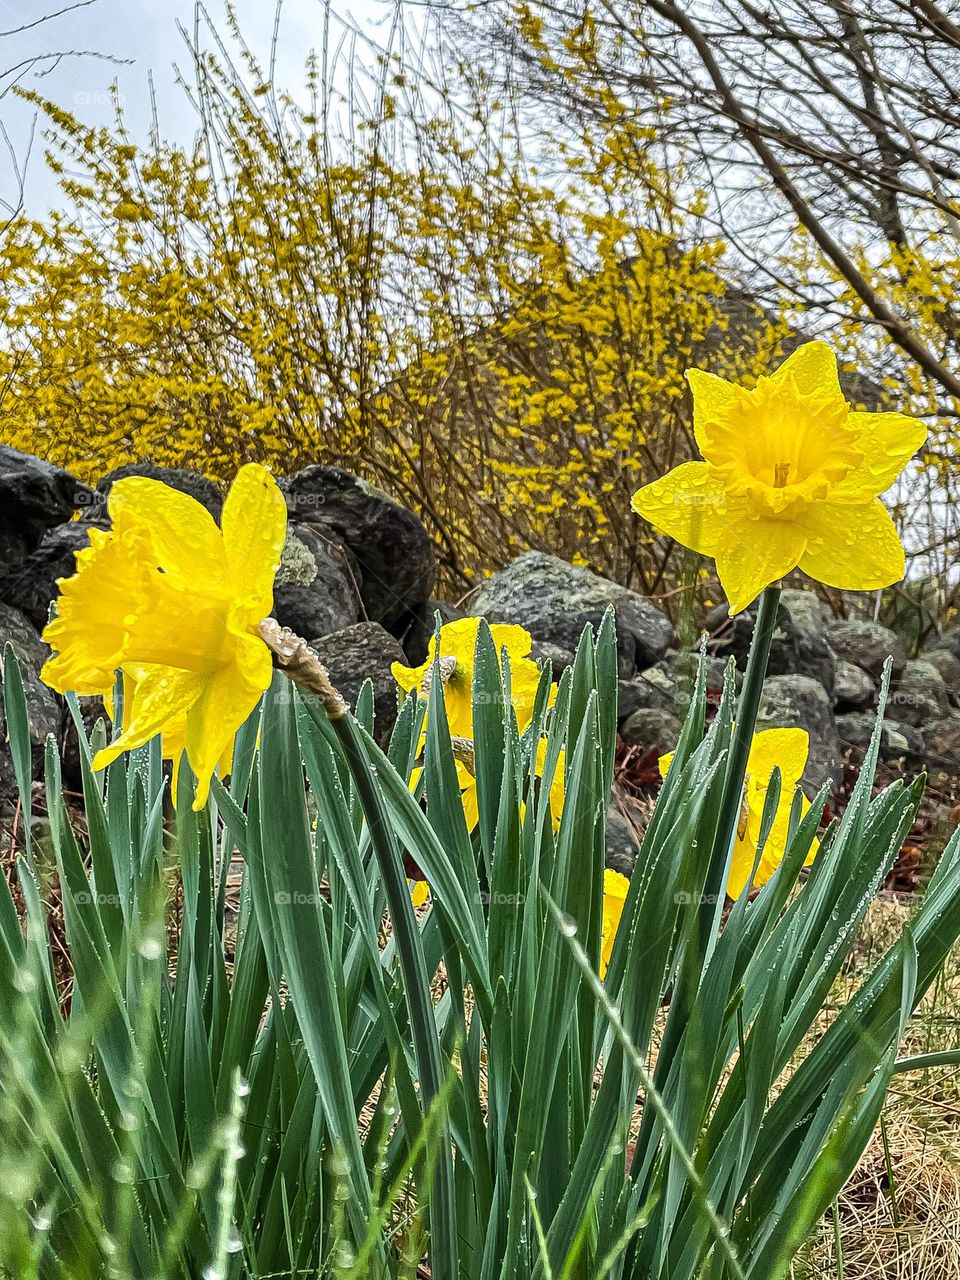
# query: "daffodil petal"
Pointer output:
{"type": "Point", "coordinates": [254, 524]}
{"type": "Point", "coordinates": [515, 639]}
{"type": "Point", "coordinates": [855, 548]}
{"type": "Point", "coordinates": [775, 847]}
{"type": "Point", "coordinates": [888, 441]}
{"type": "Point", "coordinates": [181, 532]}
{"type": "Point", "coordinates": [815, 843]}
{"type": "Point", "coordinates": [755, 554]}
{"type": "Point", "coordinates": [786, 749]}
{"type": "Point", "coordinates": [409, 678]}
{"type": "Point", "coordinates": [470, 800]}
{"type": "Point", "coordinates": [813, 367]}
{"type": "Point", "coordinates": [524, 683]}
{"type": "Point", "coordinates": [89, 631]}
{"type": "Point", "coordinates": [716, 403]}
{"type": "Point", "coordinates": [161, 695]}
{"type": "Point", "coordinates": [615, 890]}
{"type": "Point", "coordinates": [691, 505]}
{"type": "Point", "coordinates": [741, 865]}
{"type": "Point", "coordinates": [227, 700]}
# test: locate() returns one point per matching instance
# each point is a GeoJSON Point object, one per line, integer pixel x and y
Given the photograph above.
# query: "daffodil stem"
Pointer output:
{"type": "Point", "coordinates": [423, 1027]}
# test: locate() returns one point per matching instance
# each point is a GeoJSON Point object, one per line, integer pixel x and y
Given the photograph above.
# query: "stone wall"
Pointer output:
{"type": "Point", "coordinates": [357, 580]}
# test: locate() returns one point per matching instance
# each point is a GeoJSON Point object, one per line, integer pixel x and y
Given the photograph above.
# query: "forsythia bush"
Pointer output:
{"type": "Point", "coordinates": [503, 351]}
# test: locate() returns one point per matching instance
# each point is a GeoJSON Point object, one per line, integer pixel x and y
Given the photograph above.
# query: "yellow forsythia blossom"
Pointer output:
{"type": "Point", "coordinates": [770, 749]}
{"type": "Point", "coordinates": [174, 603]}
{"type": "Point", "coordinates": [791, 478]}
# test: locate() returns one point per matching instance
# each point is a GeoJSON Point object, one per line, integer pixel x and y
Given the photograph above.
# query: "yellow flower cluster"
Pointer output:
{"type": "Point", "coordinates": [176, 604]}
{"type": "Point", "coordinates": [505, 353]}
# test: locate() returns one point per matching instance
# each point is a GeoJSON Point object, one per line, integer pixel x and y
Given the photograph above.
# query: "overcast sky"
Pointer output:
{"type": "Point", "coordinates": [142, 37]}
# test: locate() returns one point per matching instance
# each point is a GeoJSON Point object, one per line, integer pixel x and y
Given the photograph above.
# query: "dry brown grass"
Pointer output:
{"type": "Point", "coordinates": [898, 1218]}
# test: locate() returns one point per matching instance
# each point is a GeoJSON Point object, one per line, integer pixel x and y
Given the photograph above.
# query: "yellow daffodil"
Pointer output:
{"type": "Point", "coordinates": [615, 888]}
{"type": "Point", "coordinates": [557, 786]}
{"type": "Point", "coordinates": [468, 788]}
{"type": "Point", "coordinates": [791, 477]}
{"type": "Point", "coordinates": [471, 804]}
{"type": "Point", "coordinates": [771, 748]}
{"type": "Point", "coordinates": [174, 603]}
{"type": "Point", "coordinates": [458, 642]}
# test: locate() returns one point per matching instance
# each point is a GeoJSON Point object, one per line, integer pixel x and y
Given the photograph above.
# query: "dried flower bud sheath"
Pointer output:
{"type": "Point", "coordinates": [464, 752]}
{"type": "Point", "coordinates": [294, 657]}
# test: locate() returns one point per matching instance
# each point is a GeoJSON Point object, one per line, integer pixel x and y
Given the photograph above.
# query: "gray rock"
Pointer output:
{"type": "Point", "coordinates": [949, 667]}
{"type": "Point", "coordinates": [448, 612]}
{"type": "Point", "coordinates": [897, 741]}
{"type": "Point", "coordinates": [658, 688]}
{"type": "Point", "coordinates": [653, 729]}
{"type": "Point", "coordinates": [630, 697]}
{"type": "Point", "coordinates": [802, 702]}
{"type": "Point", "coordinates": [185, 481]}
{"type": "Point", "coordinates": [358, 653]}
{"type": "Point", "coordinates": [559, 659]}
{"type": "Point", "coordinates": [422, 625]}
{"type": "Point", "coordinates": [34, 496]}
{"type": "Point", "coordinates": [799, 644]}
{"type": "Point", "coordinates": [867, 645]}
{"type": "Point", "coordinates": [949, 641]}
{"type": "Point", "coordinates": [919, 695]}
{"type": "Point", "coordinates": [555, 600]}
{"type": "Point", "coordinates": [43, 710]}
{"type": "Point", "coordinates": [685, 664]}
{"type": "Point", "coordinates": [668, 684]}
{"type": "Point", "coordinates": [391, 548]}
{"type": "Point", "coordinates": [942, 738]}
{"type": "Point", "coordinates": [314, 593]}
{"type": "Point", "coordinates": [622, 842]}
{"type": "Point", "coordinates": [34, 586]}
{"type": "Point", "coordinates": [853, 689]}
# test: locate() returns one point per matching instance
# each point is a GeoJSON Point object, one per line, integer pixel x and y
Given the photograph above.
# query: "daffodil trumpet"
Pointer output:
{"type": "Point", "coordinates": [451, 659]}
